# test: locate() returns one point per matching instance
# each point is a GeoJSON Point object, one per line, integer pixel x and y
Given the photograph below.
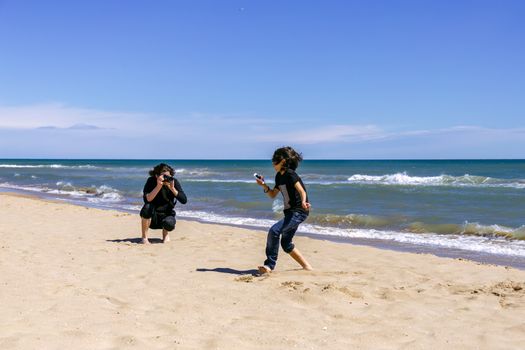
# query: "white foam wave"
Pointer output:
{"type": "Point", "coordinates": [277, 205]}
{"type": "Point", "coordinates": [399, 179]}
{"type": "Point", "coordinates": [106, 198]}
{"type": "Point", "coordinates": [101, 194]}
{"type": "Point", "coordinates": [22, 188]}
{"type": "Point", "coordinates": [106, 194]}
{"type": "Point", "coordinates": [441, 180]}
{"type": "Point", "coordinates": [474, 228]}
{"type": "Point", "coordinates": [195, 172]}
{"type": "Point", "coordinates": [221, 219]}
{"type": "Point", "coordinates": [480, 244]}
{"type": "Point", "coordinates": [132, 207]}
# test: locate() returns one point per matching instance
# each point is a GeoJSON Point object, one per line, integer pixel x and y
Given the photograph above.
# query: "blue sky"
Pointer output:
{"type": "Point", "coordinates": [238, 78]}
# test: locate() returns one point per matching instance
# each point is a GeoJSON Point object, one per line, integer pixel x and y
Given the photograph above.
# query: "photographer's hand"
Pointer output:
{"type": "Point", "coordinates": [150, 196]}
{"type": "Point", "coordinates": [171, 186]}
{"type": "Point", "coordinates": [160, 180]}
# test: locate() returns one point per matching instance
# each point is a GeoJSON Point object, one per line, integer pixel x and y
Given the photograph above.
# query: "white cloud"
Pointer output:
{"type": "Point", "coordinates": [328, 133]}
{"type": "Point", "coordinates": [60, 116]}
{"type": "Point", "coordinates": [80, 126]}
{"type": "Point", "coordinates": [53, 129]}
{"type": "Point", "coordinates": [461, 130]}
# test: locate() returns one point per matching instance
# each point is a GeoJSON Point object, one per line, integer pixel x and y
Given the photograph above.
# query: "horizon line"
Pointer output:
{"type": "Point", "coordinates": [237, 159]}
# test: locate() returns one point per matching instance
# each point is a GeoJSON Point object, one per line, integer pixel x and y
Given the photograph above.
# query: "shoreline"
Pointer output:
{"type": "Point", "coordinates": [452, 253]}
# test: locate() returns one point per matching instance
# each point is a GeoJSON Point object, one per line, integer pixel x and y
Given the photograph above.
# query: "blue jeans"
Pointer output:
{"type": "Point", "coordinates": [286, 228]}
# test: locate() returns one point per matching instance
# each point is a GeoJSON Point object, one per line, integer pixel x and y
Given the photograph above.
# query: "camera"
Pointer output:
{"type": "Point", "coordinates": [259, 177]}
{"type": "Point", "coordinates": [168, 178]}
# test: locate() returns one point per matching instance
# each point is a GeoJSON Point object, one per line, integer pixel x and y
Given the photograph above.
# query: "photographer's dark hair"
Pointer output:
{"type": "Point", "coordinates": [290, 155]}
{"type": "Point", "coordinates": [159, 169]}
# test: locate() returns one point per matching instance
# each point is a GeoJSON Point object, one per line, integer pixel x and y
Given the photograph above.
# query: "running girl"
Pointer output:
{"type": "Point", "coordinates": [296, 208]}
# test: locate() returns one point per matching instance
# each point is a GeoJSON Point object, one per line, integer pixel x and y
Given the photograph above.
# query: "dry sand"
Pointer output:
{"type": "Point", "coordinates": [75, 278]}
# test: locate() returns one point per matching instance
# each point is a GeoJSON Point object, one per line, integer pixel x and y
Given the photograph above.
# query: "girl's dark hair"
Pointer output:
{"type": "Point", "coordinates": [289, 154]}
{"type": "Point", "coordinates": [159, 169]}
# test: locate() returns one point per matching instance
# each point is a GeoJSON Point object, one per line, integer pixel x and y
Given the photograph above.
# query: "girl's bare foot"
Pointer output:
{"type": "Point", "coordinates": [297, 256]}
{"type": "Point", "coordinates": [263, 269]}
{"type": "Point", "coordinates": [166, 239]}
{"type": "Point", "coordinates": [145, 241]}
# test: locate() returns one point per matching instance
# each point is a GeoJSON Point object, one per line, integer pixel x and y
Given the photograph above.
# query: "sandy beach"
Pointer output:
{"type": "Point", "coordinates": [75, 278]}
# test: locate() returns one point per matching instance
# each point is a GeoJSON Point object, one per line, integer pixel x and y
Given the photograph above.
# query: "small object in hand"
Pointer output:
{"type": "Point", "coordinates": [168, 178]}
{"type": "Point", "coordinates": [258, 177]}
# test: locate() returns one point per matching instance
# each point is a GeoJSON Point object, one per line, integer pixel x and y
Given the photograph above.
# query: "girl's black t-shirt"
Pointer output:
{"type": "Point", "coordinates": [165, 200]}
{"type": "Point", "coordinates": [291, 197]}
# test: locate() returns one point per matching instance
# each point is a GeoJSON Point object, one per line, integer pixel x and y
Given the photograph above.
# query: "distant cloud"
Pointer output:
{"type": "Point", "coordinates": [79, 126]}
{"type": "Point", "coordinates": [59, 116]}
{"type": "Point", "coordinates": [328, 133]}
{"type": "Point", "coordinates": [464, 130]}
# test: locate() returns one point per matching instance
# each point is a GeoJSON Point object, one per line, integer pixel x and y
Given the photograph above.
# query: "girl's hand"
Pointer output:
{"type": "Point", "coordinates": [260, 181]}
{"type": "Point", "coordinates": [160, 180]}
{"type": "Point", "coordinates": [306, 205]}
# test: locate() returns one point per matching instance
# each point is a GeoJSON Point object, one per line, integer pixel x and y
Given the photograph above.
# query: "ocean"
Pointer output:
{"type": "Point", "coordinates": [472, 209]}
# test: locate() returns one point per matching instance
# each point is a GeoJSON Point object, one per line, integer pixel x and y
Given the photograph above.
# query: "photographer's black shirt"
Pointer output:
{"type": "Point", "coordinates": [165, 200]}
{"type": "Point", "coordinates": [291, 197]}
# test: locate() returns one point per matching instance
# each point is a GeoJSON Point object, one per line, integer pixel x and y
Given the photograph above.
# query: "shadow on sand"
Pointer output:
{"type": "Point", "coordinates": [135, 240]}
{"type": "Point", "coordinates": [252, 272]}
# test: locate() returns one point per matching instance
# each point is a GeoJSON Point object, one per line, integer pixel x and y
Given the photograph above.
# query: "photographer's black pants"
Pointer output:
{"type": "Point", "coordinates": [159, 220]}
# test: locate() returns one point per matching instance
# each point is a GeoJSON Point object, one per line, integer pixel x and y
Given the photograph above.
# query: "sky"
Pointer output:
{"type": "Point", "coordinates": [235, 79]}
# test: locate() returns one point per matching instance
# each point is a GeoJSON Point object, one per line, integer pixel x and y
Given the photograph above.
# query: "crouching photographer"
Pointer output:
{"type": "Point", "coordinates": [161, 192]}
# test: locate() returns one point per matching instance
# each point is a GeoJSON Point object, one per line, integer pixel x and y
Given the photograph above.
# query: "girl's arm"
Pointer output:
{"type": "Point", "coordinates": [302, 193]}
{"type": "Point", "coordinates": [271, 192]}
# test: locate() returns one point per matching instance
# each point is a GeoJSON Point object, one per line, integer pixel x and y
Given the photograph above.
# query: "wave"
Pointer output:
{"type": "Point", "coordinates": [94, 194]}
{"type": "Point", "coordinates": [441, 180]}
{"type": "Point", "coordinates": [470, 229]}
{"type": "Point", "coordinates": [482, 244]}
{"type": "Point", "coordinates": [353, 220]}
{"type": "Point", "coordinates": [399, 223]}
{"type": "Point", "coordinates": [397, 179]}
{"type": "Point", "coordinates": [195, 172]}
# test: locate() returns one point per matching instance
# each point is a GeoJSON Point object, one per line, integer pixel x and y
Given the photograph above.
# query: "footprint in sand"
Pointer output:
{"type": "Point", "coordinates": [344, 289]}
{"type": "Point", "coordinates": [510, 293]}
{"type": "Point", "coordinates": [292, 285]}
{"type": "Point", "coordinates": [246, 279]}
